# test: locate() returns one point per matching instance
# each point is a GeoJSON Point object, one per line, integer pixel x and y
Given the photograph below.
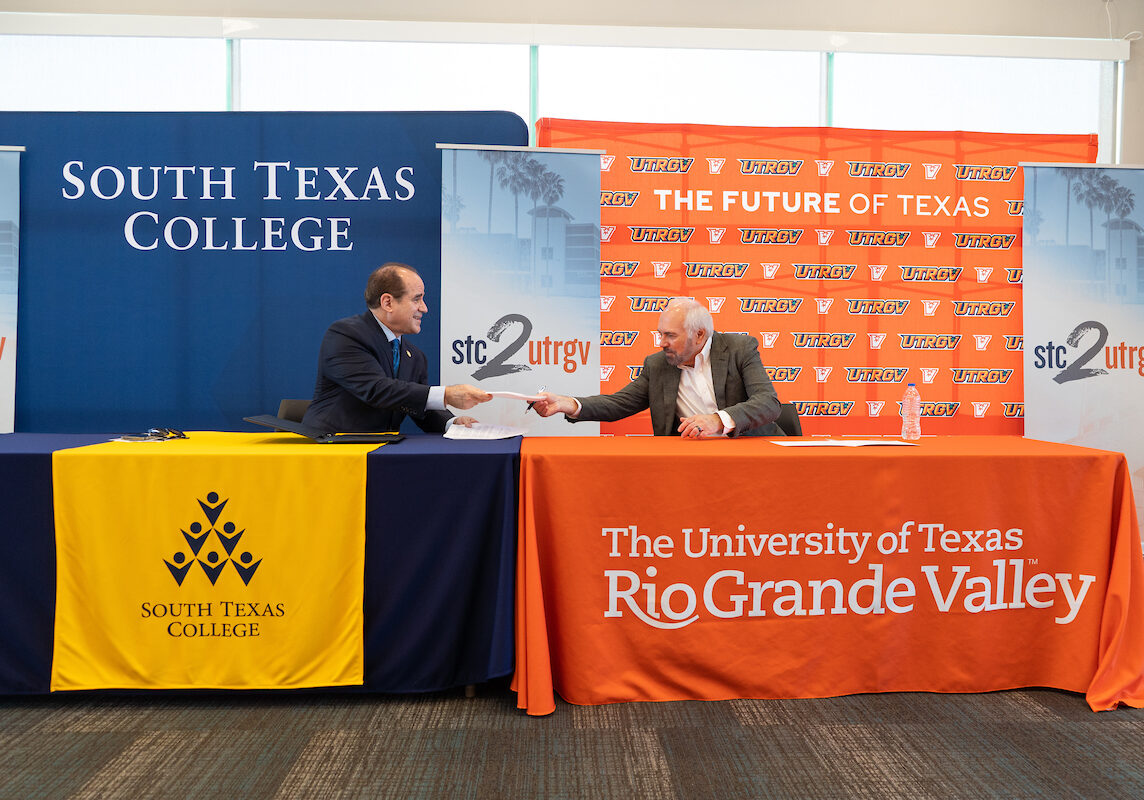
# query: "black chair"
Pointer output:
{"type": "Point", "coordinates": [788, 420]}
{"type": "Point", "coordinates": [293, 410]}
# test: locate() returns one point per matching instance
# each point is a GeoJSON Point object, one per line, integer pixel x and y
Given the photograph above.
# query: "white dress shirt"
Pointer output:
{"type": "Point", "coordinates": [436, 401]}
{"type": "Point", "coordinates": [697, 390]}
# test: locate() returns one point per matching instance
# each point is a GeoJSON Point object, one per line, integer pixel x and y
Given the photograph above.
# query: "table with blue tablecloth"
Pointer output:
{"type": "Point", "coordinates": [439, 561]}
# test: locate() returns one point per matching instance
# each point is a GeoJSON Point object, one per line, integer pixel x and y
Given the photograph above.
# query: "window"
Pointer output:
{"type": "Point", "coordinates": [706, 85]}
{"type": "Point", "coordinates": [383, 76]}
{"type": "Point", "coordinates": [111, 73]}
{"type": "Point", "coordinates": [999, 95]}
{"type": "Point", "coordinates": [720, 87]}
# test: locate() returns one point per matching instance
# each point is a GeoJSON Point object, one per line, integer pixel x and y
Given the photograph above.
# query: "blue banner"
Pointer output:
{"type": "Point", "coordinates": [180, 269]}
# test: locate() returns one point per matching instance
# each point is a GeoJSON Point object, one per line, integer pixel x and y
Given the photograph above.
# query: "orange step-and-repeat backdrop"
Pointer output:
{"type": "Point", "coordinates": [860, 260]}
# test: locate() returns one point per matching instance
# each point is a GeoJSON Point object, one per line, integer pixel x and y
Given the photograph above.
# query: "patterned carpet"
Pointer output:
{"type": "Point", "coordinates": [1019, 744]}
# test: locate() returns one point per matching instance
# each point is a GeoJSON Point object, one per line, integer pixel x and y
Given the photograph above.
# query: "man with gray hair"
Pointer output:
{"type": "Point", "coordinates": [700, 384]}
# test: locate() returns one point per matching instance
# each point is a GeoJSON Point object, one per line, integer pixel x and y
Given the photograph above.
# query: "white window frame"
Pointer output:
{"type": "Point", "coordinates": [1114, 52]}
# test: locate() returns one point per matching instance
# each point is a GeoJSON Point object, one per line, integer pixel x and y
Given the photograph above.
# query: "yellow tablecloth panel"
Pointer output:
{"type": "Point", "coordinates": [224, 560]}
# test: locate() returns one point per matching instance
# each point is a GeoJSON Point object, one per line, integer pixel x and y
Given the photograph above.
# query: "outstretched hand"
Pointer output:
{"type": "Point", "coordinates": [554, 404]}
{"type": "Point", "coordinates": [465, 396]}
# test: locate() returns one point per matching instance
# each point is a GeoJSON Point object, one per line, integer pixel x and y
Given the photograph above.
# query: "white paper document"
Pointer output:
{"type": "Point", "coordinates": [528, 398]}
{"type": "Point", "coordinates": [843, 442]}
{"type": "Point", "coordinates": [480, 430]}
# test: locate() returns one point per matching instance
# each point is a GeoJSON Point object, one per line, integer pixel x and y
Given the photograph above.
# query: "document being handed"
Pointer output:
{"type": "Point", "coordinates": [481, 430]}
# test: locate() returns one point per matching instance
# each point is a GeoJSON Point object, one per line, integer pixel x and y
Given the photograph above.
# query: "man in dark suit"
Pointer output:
{"type": "Point", "coordinates": [370, 377]}
{"type": "Point", "coordinates": [700, 384]}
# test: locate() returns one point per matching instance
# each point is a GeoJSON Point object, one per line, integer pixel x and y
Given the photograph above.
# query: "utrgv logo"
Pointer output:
{"type": "Point", "coordinates": [878, 169]}
{"type": "Point", "coordinates": [824, 272]}
{"type": "Point", "coordinates": [984, 241]}
{"type": "Point", "coordinates": [644, 233]}
{"type": "Point", "coordinates": [713, 269]}
{"type": "Point", "coordinates": [618, 269]}
{"type": "Point", "coordinates": [984, 172]}
{"type": "Point", "coordinates": [212, 562]}
{"type": "Point", "coordinates": [769, 166]}
{"type": "Point", "coordinates": [618, 338]}
{"type": "Point", "coordinates": [783, 374]}
{"type": "Point", "coordinates": [660, 163]}
{"type": "Point", "coordinates": [618, 199]}
{"type": "Point", "coordinates": [830, 408]}
{"type": "Point", "coordinates": [877, 238]}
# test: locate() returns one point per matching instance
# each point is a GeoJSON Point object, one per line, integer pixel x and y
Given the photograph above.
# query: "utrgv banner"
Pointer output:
{"type": "Point", "coordinates": [1084, 308]}
{"type": "Point", "coordinates": [180, 269]}
{"type": "Point", "coordinates": [860, 260]}
{"type": "Point", "coordinates": [9, 279]}
{"type": "Point", "coordinates": [226, 577]}
{"type": "Point", "coordinates": [520, 278]}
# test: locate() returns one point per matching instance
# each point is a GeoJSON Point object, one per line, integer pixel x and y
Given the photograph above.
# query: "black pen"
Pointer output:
{"type": "Point", "coordinates": [534, 402]}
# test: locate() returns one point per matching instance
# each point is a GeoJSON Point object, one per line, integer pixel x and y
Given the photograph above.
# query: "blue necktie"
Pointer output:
{"type": "Point", "coordinates": [396, 355]}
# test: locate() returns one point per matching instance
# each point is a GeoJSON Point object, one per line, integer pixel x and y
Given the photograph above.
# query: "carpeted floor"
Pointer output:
{"type": "Point", "coordinates": [1019, 744]}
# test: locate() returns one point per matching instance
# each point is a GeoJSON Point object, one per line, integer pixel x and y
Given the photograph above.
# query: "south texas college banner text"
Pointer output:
{"type": "Point", "coordinates": [860, 260]}
{"type": "Point", "coordinates": [180, 269]}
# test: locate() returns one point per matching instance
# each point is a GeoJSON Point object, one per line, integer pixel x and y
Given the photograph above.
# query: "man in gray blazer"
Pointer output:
{"type": "Point", "coordinates": [700, 384]}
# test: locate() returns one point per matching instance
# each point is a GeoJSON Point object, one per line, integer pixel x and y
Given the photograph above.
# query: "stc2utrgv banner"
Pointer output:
{"type": "Point", "coordinates": [9, 278]}
{"type": "Point", "coordinates": [1084, 308]}
{"type": "Point", "coordinates": [860, 260]}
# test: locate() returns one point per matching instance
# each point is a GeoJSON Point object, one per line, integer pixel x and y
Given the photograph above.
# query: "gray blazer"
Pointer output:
{"type": "Point", "coordinates": [742, 389]}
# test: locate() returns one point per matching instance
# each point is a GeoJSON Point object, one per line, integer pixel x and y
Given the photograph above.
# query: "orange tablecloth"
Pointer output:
{"type": "Point", "coordinates": [664, 569]}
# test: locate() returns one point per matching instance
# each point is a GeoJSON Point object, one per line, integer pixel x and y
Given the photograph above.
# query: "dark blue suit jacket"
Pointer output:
{"type": "Point", "coordinates": [356, 389]}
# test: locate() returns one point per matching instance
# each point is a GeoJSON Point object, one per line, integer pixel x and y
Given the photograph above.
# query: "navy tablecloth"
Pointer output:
{"type": "Point", "coordinates": [440, 545]}
{"type": "Point", "coordinates": [440, 567]}
{"type": "Point", "coordinates": [28, 560]}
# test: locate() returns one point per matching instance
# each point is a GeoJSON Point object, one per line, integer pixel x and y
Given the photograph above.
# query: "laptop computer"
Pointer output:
{"type": "Point", "coordinates": [322, 437]}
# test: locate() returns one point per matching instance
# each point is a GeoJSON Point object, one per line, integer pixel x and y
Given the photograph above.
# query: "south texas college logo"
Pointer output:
{"type": "Point", "coordinates": [205, 548]}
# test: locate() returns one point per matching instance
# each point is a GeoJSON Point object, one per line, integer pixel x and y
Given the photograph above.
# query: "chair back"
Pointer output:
{"type": "Point", "coordinates": [788, 420]}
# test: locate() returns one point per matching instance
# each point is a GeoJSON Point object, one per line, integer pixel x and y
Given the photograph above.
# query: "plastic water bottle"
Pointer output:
{"type": "Point", "coordinates": [911, 414]}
